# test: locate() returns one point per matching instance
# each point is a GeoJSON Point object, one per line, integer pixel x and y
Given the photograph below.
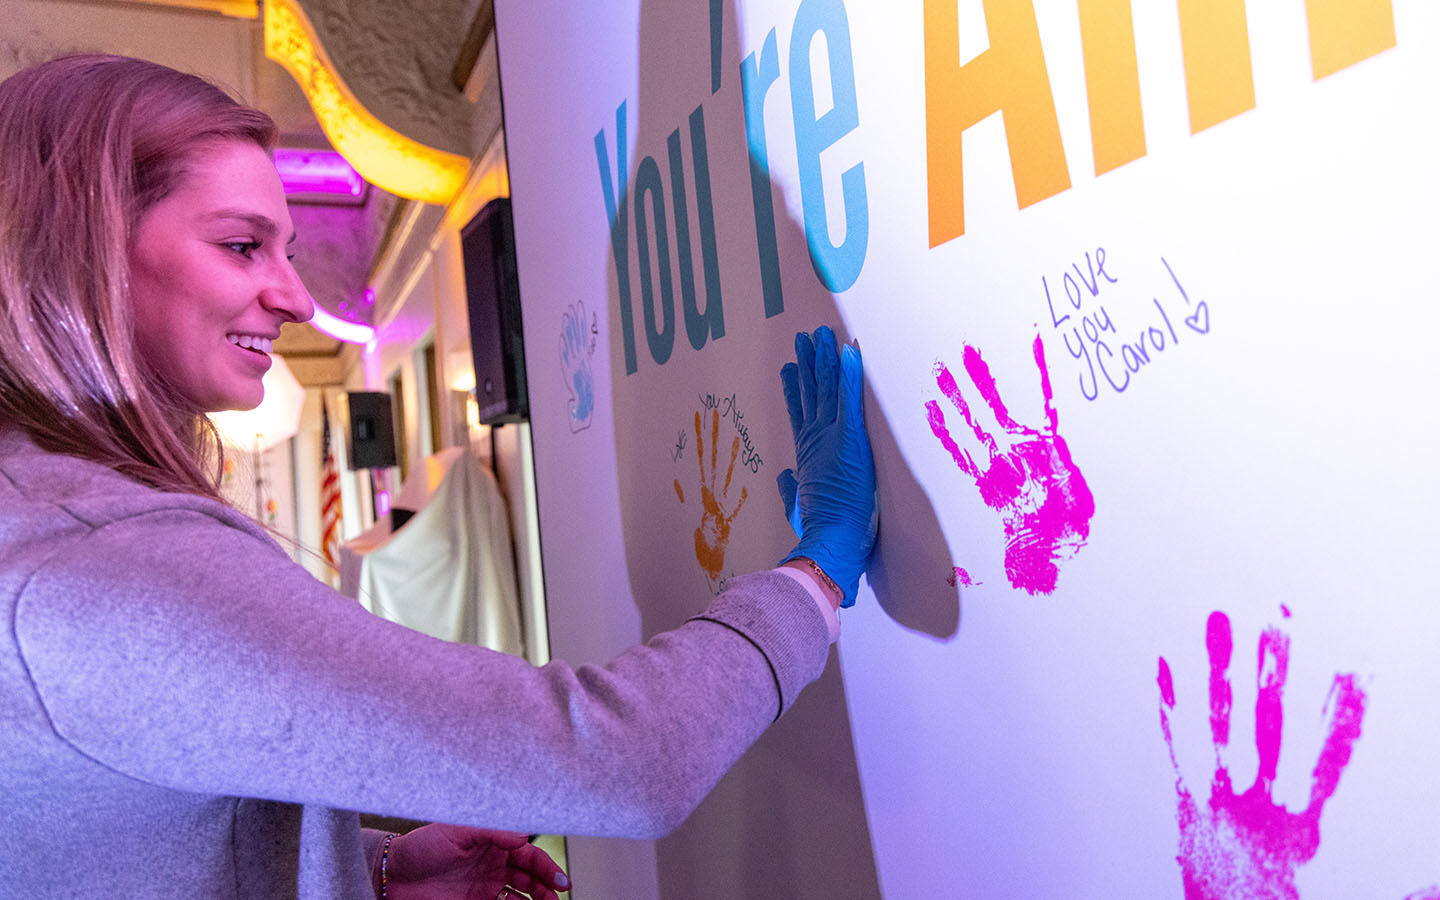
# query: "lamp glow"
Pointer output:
{"type": "Point", "coordinates": [460, 370]}
{"type": "Point", "coordinates": [384, 156]}
{"type": "Point", "coordinates": [342, 329]}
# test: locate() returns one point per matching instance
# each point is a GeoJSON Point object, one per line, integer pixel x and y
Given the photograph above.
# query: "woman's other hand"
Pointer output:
{"type": "Point", "coordinates": [452, 862]}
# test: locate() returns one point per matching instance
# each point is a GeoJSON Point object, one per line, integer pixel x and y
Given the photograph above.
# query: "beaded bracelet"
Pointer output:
{"type": "Point", "coordinates": [384, 864]}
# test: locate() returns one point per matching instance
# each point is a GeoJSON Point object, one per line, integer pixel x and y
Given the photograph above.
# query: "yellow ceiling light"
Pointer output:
{"type": "Point", "coordinates": [384, 156]}
{"type": "Point", "coordinates": [239, 9]}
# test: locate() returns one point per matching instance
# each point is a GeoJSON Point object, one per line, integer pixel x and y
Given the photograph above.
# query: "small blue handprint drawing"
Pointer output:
{"type": "Point", "coordinates": [577, 345]}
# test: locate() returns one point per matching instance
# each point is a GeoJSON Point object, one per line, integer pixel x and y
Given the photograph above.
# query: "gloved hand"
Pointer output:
{"type": "Point", "coordinates": [830, 494]}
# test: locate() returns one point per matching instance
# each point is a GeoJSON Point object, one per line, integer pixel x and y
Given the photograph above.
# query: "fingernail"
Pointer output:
{"type": "Point", "coordinates": [561, 880]}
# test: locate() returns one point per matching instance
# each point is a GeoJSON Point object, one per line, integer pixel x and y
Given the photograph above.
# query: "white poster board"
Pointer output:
{"type": "Point", "coordinates": [1148, 360]}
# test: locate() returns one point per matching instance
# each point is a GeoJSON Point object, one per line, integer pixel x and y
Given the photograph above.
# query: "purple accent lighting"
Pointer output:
{"type": "Point", "coordinates": [317, 172]}
{"type": "Point", "coordinates": [342, 329]}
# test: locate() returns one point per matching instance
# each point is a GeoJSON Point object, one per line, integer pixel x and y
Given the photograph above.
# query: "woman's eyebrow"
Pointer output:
{"type": "Point", "coordinates": [264, 225]}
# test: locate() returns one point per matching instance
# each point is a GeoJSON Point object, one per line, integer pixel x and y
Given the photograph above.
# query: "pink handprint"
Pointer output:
{"type": "Point", "coordinates": [1033, 483]}
{"type": "Point", "coordinates": [1247, 845]}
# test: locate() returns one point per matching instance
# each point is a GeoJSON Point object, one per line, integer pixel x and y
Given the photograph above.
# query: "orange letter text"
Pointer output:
{"type": "Point", "coordinates": [1010, 77]}
{"type": "Point", "coordinates": [1216, 44]}
{"type": "Point", "coordinates": [1112, 83]}
{"type": "Point", "coordinates": [1343, 32]}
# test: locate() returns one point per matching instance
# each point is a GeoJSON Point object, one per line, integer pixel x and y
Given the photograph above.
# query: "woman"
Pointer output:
{"type": "Point", "coordinates": [187, 712]}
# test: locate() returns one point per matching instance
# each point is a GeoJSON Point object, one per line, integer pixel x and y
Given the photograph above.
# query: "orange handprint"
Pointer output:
{"type": "Point", "coordinates": [713, 535]}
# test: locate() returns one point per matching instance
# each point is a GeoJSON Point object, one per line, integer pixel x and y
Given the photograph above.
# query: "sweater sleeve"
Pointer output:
{"type": "Point", "coordinates": [190, 654]}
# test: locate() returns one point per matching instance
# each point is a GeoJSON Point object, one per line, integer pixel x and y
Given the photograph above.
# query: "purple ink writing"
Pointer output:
{"type": "Point", "coordinates": [1246, 844]}
{"type": "Point", "coordinates": [1035, 486]}
{"type": "Point", "coordinates": [1108, 353]}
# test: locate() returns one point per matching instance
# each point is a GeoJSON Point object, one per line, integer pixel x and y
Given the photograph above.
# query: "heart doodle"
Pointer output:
{"type": "Point", "coordinates": [1199, 321]}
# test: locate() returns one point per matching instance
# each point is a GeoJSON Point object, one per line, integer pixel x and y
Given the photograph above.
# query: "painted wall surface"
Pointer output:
{"type": "Point", "coordinates": [1146, 302]}
{"type": "Point", "coordinates": [221, 46]}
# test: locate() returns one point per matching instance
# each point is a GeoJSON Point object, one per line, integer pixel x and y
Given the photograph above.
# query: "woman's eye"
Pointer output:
{"type": "Point", "coordinates": [244, 248]}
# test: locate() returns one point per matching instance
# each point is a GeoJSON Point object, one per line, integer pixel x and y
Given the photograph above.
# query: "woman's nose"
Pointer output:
{"type": "Point", "coordinates": [288, 297]}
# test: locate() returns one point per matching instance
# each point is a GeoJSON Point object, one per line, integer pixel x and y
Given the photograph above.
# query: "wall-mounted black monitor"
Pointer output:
{"type": "Point", "coordinates": [493, 290]}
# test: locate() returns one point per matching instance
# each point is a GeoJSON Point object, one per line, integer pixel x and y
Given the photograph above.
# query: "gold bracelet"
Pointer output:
{"type": "Point", "coordinates": [825, 580]}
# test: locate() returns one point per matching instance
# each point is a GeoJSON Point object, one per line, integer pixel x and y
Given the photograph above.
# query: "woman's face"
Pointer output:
{"type": "Point", "coordinates": [210, 279]}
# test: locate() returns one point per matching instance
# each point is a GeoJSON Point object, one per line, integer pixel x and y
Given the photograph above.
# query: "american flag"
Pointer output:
{"type": "Point", "coordinates": [329, 495]}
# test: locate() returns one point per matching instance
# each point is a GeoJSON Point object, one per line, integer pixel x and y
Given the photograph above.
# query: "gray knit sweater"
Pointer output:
{"type": "Point", "coordinates": [184, 712]}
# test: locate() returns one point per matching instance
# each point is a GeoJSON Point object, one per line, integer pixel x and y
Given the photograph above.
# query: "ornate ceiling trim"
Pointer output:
{"type": "Point", "coordinates": [384, 156]}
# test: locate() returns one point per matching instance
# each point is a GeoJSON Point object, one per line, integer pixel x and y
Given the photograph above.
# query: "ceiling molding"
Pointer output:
{"type": "Point", "coordinates": [397, 59]}
{"type": "Point", "coordinates": [324, 371]}
{"type": "Point", "coordinates": [386, 157]}
{"type": "Point", "coordinates": [481, 29]}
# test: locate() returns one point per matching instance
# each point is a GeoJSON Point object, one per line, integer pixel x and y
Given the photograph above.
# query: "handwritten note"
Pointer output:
{"type": "Point", "coordinates": [1110, 350]}
{"type": "Point", "coordinates": [729, 409]}
{"type": "Point", "coordinates": [718, 506]}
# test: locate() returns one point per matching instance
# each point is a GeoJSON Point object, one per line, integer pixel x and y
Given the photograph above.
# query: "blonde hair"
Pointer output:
{"type": "Point", "coordinates": [88, 144]}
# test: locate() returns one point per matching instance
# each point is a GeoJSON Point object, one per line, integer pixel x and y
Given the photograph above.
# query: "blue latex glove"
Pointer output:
{"type": "Point", "coordinates": [830, 494]}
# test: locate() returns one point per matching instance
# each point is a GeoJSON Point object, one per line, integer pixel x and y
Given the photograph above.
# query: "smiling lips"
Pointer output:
{"type": "Point", "coordinates": [252, 342]}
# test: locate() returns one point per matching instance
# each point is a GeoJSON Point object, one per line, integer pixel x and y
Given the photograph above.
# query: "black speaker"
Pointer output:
{"type": "Point", "coordinates": [492, 287]}
{"type": "Point", "coordinates": [369, 430]}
